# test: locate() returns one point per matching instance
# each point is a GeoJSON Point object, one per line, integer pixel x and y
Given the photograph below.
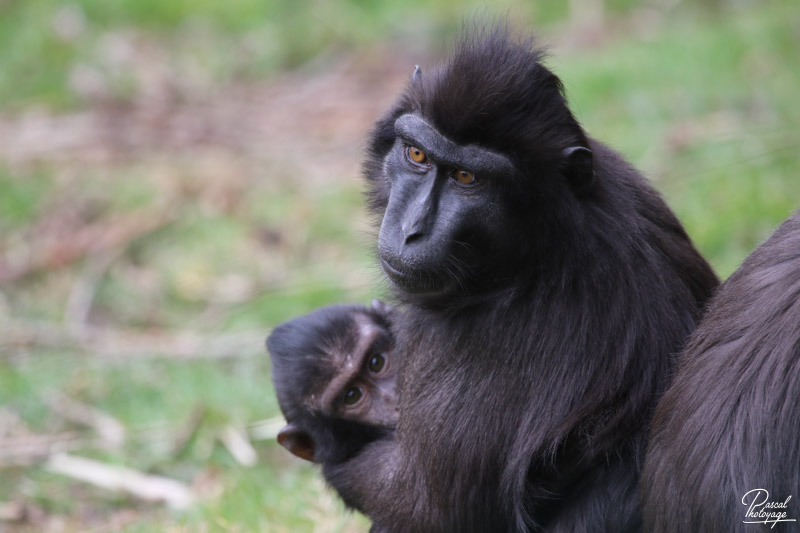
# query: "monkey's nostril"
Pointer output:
{"type": "Point", "coordinates": [413, 236]}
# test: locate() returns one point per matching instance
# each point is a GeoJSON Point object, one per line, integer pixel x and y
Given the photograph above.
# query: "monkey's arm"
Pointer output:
{"type": "Point", "coordinates": [366, 482]}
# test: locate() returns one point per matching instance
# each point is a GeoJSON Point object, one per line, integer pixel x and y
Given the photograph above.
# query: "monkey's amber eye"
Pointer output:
{"type": "Point", "coordinates": [352, 395]}
{"type": "Point", "coordinates": [416, 155]}
{"type": "Point", "coordinates": [376, 363]}
{"type": "Point", "coordinates": [464, 177]}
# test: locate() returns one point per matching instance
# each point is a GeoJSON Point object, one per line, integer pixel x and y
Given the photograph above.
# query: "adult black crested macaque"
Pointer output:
{"type": "Point", "coordinates": [725, 441]}
{"type": "Point", "coordinates": [546, 288]}
{"type": "Point", "coordinates": [335, 373]}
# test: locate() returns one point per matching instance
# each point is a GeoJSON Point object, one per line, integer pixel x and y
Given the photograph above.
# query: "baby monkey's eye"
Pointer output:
{"type": "Point", "coordinates": [376, 363]}
{"type": "Point", "coordinates": [352, 395]}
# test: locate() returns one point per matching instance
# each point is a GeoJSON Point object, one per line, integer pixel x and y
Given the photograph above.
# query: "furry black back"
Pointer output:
{"type": "Point", "coordinates": [729, 423]}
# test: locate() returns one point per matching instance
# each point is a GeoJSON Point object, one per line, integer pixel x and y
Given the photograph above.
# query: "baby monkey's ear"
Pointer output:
{"type": "Point", "coordinates": [297, 441]}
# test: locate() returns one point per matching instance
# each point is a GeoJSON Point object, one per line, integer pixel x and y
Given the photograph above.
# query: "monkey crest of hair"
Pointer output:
{"type": "Point", "coordinates": [545, 287]}
{"type": "Point", "coordinates": [725, 446]}
{"type": "Point", "coordinates": [515, 86]}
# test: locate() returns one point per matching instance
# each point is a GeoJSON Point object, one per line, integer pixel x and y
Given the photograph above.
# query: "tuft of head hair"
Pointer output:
{"type": "Point", "coordinates": [495, 91]}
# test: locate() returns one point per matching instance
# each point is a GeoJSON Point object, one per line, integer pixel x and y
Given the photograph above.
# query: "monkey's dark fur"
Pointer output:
{"type": "Point", "coordinates": [730, 422]}
{"type": "Point", "coordinates": [539, 335]}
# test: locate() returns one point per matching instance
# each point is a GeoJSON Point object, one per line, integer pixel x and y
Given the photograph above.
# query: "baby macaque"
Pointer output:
{"type": "Point", "coordinates": [335, 374]}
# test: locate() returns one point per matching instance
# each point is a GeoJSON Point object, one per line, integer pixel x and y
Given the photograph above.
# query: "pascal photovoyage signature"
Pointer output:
{"type": "Point", "coordinates": [760, 510]}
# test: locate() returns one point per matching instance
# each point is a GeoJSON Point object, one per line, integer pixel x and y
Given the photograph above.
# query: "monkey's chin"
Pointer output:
{"type": "Point", "coordinates": [416, 284]}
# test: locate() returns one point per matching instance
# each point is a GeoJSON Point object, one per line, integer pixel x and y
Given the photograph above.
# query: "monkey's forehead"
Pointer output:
{"type": "Point", "coordinates": [349, 347]}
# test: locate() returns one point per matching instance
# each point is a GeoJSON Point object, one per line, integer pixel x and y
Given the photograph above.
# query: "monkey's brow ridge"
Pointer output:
{"type": "Point", "coordinates": [414, 129]}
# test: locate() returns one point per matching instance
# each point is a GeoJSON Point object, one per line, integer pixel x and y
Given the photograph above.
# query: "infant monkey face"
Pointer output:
{"type": "Point", "coordinates": [365, 389]}
{"type": "Point", "coordinates": [335, 373]}
{"type": "Point", "coordinates": [370, 393]}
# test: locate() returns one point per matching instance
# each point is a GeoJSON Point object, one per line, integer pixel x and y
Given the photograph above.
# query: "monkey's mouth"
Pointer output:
{"type": "Point", "coordinates": [394, 273]}
{"type": "Point", "coordinates": [417, 281]}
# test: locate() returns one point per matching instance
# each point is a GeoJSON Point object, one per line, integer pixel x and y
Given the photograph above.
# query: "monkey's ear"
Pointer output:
{"type": "Point", "coordinates": [416, 77]}
{"type": "Point", "coordinates": [579, 169]}
{"type": "Point", "coordinates": [297, 441]}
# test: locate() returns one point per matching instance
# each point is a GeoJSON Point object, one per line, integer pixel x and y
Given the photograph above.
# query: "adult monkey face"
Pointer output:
{"type": "Point", "coordinates": [451, 210]}
{"type": "Point", "coordinates": [435, 231]}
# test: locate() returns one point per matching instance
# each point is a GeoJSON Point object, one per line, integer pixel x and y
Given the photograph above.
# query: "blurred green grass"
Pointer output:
{"type": "Point", "coordinates": [701, 98]}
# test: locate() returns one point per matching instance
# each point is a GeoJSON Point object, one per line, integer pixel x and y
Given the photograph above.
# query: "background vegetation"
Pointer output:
{"type": "Point", "coordinates": [178, 177]}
